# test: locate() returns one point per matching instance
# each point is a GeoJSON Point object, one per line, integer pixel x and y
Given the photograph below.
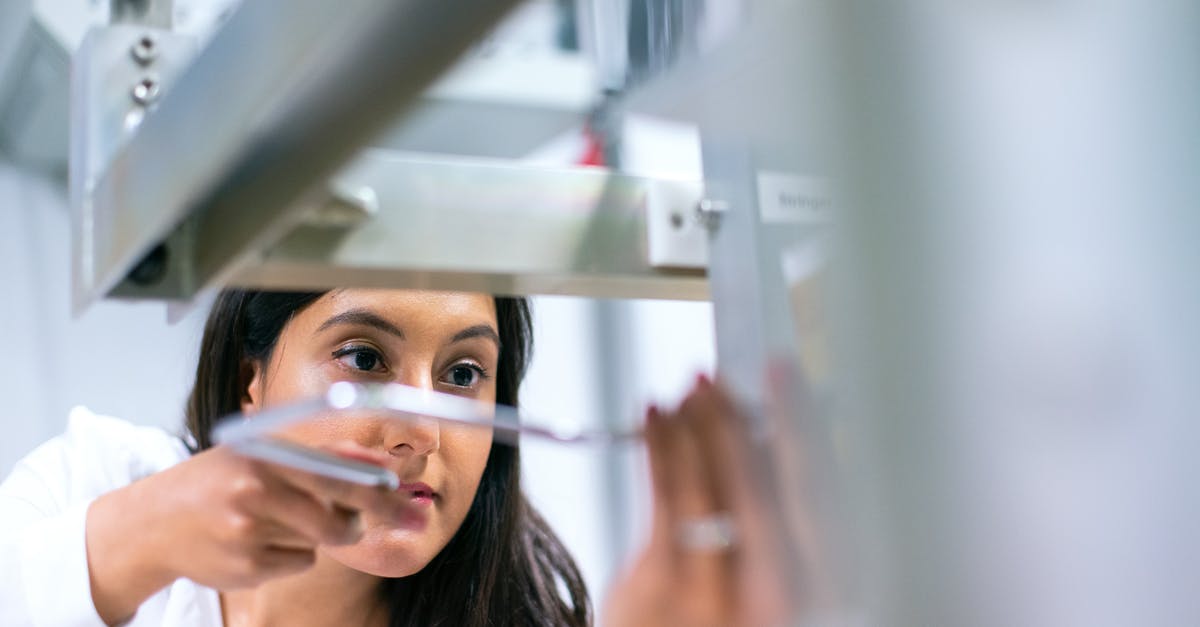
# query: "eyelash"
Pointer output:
{"type": "Point", "coordinates": [480, 371]}
{"type": "Point", "coordinates": [354, 349]}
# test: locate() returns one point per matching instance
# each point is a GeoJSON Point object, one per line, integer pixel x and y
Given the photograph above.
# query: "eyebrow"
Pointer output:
{"type": "Point", "coordinates": [480, 330]}
{"type": "Point", "coordinates": [362, 317]}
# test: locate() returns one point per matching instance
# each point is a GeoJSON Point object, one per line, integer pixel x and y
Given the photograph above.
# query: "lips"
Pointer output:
{"type": "Point", "coordinates": [420, 493]}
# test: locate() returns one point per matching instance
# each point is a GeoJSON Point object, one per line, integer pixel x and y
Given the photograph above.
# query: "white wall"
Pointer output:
{"type": "Point", "coordinates": [597, 497]}
{"type": "Point", "coordinates": [120, 359]}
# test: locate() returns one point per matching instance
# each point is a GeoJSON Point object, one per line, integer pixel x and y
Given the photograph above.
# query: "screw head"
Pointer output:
{"type": "Point", "coordinates": [146, 91]}
{"type": "Point", "coordinates": [709, 212]}
{"type": "Point", "coordinates": [145, 50]}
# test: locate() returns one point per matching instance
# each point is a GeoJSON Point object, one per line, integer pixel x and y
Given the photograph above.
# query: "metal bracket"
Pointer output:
{"type": "Point", "coordinates": [675, 238]}
{"type": "Point", "coordinates": [119, 74]}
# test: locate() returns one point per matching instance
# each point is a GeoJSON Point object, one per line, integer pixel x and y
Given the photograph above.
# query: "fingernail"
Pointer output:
{"type": "Point", "coordinates": [702, 381]}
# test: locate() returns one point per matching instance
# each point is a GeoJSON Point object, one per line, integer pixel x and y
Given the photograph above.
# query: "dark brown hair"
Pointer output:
{"type": "Point", "coordinates": [504, 566]}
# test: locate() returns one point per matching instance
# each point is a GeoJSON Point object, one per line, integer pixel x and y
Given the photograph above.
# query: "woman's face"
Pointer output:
{"type": "Point", "coordinates": [441, 341]}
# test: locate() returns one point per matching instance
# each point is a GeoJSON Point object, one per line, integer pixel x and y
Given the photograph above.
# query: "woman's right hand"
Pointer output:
{"type": "Point", "coordinates": [223, 521]}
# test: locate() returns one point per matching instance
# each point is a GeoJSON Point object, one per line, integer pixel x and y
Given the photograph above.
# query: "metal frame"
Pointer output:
{"type": "Point", "coordinates": [164, 223]}
{"type": "Point", "coordinates": [283, 133]}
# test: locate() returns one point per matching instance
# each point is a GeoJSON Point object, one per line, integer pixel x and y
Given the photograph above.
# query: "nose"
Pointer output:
{"type": "Point", "coordinates": [409, 434]}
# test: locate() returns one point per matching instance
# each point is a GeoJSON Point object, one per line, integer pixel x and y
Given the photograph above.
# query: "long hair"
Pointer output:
{"type": "Point", "coordinates": [504, 566]}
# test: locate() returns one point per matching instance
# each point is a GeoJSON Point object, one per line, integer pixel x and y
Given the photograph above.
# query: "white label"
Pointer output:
{"type": "Point", "coordinates": [790, 198]}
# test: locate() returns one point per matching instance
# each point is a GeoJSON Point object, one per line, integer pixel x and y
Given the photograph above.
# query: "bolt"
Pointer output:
{"type": "Point", "coordinates": [346, 207]}
{"type": "Point", "coordinates": [145, 50]}
{"type": "Point", "coordinates": [151, 269]}
{"type": "Point", "coordinates": [709, 212]}
{"type": "Point", "coordinates": [146, 91]}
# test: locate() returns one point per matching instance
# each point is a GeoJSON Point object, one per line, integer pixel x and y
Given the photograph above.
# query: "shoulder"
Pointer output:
{"type": "Point", "coordinates": [105, 439]}
{"type": "Point", "coordinates": [95, 454]}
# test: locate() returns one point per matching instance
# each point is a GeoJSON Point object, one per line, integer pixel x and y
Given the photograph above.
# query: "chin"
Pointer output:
{"type": "Point", "coordinates": [387, 552]}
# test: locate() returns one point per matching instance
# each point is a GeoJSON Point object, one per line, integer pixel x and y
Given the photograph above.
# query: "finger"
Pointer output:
{"type": "Point", "coordinates": [737, 465]}
{"type": "Point", "coordinates": [346, 462]}
{"type": "Point", "coordinates": [277, 561]}
{"type": "Point", "coordinates": [296, 511]}
{"type": "Point", "coordinates": [382, 503]}
{"type": "Point", "coordinates": [682, 492]}
{"type": "Point", "coordinates": [745, 480]}
{"type": "Point", "coordinates": [764, 562]}
{"type": "Point", "coordinates": [702, 572]}
{"type": "Point", "coordinates": [275, 534]}
{"type": "Point", "coordinates": [699, 414]}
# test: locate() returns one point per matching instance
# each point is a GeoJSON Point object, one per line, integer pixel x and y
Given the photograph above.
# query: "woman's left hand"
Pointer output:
{"type": "Point", "coordinates": [719, 550]}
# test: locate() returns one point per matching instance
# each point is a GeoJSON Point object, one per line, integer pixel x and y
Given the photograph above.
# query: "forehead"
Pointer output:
{"type": "Point", "coordinates": [407, 308]}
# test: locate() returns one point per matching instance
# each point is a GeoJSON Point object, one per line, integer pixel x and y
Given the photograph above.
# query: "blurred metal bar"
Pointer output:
{"type": "Point", "coordinates": [523, 103]}
{"type": "Point", "coordinates": [750, 297]}
{"type": "Point", "coordinates": [284, 94]}
{"type": "Point", "coordinates": [660, 32]}
{"type": "Point", "coordinates": [759, 97]}
{"type": "Point", "coordinates": [1023, 317]}
{"type": "Point", "coordinates": [603, 27]}
{"type": "Point", "coordinates": [149, 13]}
{"type": "Point", "coordinates": [761, 101]}
{"type": "Point", "coordinates": [396, 221]}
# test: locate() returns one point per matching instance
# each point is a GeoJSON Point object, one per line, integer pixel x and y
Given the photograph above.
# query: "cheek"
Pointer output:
{"type": "Point", "coordinates": [465, 454]}
{"type": "Point", "coordinates": [388, 551]}
{"type": "Point", "coordinates": [322, 431]}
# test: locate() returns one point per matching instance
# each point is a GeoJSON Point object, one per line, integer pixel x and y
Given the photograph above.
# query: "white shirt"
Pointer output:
{"type": "Point", "coordinates": [43, 504]}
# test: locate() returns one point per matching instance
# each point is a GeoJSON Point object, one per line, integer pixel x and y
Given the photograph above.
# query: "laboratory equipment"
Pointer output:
{"type": "Point", "coordinates": [310, 460]}
{"type": "Point", "coordinates": [257, 435]}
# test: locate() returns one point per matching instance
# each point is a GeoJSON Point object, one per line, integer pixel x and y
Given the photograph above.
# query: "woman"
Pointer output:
{"type": "Point", "coordinates": [114, 524]}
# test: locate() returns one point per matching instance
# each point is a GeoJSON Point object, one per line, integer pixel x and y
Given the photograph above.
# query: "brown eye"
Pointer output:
{"type": "Point", "coordinates": [465, 375]}
{"type": "Point", "coordinates": [365, 361]}
{"type": "Point", "coordinates": [462, 376]}
{"type": "Point", "coordinates": [360, 358]}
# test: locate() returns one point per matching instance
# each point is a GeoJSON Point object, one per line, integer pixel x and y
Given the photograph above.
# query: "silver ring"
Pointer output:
{"type": "Point", "coordinates": [708, 534]}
